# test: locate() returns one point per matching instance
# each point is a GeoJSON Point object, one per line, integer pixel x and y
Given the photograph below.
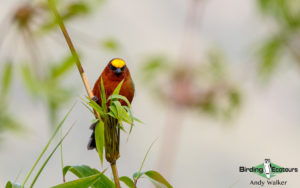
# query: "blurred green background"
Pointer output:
{"type": "Point", "coordinates": [216, 83]}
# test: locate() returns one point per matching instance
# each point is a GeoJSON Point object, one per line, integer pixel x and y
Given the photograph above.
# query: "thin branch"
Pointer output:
{"type": "Point", "coordinates": [72, 49]}
{"type": "Point", "coordinates": [82, 74]}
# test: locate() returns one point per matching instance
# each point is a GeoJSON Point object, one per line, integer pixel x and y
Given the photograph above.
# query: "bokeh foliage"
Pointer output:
{"type": "Point", "coordinates": [8, 120]}
{"type": "Point", "coordinates": [33, 22]}
{"type": "Point", "coordinates": [283, 42]}
{"type": "Point", "coordinates": [205, 86]}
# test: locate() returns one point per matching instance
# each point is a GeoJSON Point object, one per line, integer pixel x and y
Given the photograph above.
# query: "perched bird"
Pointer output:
{"type": "Point", "coordinates": [115, 71]}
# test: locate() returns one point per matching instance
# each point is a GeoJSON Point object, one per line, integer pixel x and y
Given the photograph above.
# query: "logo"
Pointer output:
{"type": "Point", "coordinates": [268, 171]}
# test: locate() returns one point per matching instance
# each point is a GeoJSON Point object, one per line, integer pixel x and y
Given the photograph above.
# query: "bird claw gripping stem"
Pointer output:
{"type": "Point", "coordinates": [95, 99]}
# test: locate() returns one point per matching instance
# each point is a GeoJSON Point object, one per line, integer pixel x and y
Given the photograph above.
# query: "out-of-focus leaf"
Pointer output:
{"type": "Point", "coordinates": [111, 45]}
{"type": "Point", "coordinates": [80, 183]}
{"type": "Point", "coordinates": [209, 106]}
{"type": "Point", "coordinates": [63, 67]}
{"type": "Point", "coordinates": [157, 177]}
{"type": "Point", "coordinates": [9, 122]}
{"type": "Point", "coordinates": [129, 182]}
{"type": "Point", "coordinates": [6, 79]}
{"type": "Point", "coordinates": [75, 9]}
{"type": "Point", "coordinates": [216, 64]}
{"type": "Point", "coordinates": [99, 136]}
{"type": "Point", "coordinates": [235, 98]}
{"type": "Point", "coordinates": [69, 11]}
{"type": "Point", "coordinates": [153, 66]}
{"type": "Point", "coordinates": [269, 55]}
{"type": "Point", "coordinates": [30, 80]}
{"type": "Point", "coordinates": [9, 184]}
{"type": "Point", "coordinates": [286, 13]}
{"type": "Point", "coordinates": [85, 171]}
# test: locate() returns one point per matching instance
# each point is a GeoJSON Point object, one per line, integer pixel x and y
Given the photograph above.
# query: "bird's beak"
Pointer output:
{"type": "Point", "coordinates": [118, 71]}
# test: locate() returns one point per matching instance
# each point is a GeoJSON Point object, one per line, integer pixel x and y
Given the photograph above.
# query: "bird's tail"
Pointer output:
{"type": "Point", "coordinates": [92, 142]}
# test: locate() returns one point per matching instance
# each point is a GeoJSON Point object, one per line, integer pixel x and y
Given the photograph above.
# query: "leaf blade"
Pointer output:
{"type": "Point", "coordinates": [129, 182]}
{"type": "Point", "coordinates": [154, 175]}
{"type": "Point", "coordinates": [6, 78]}
{"type": "Point", "coordinates": [80, 183]}
{"type": "Point", "coordinates": [49, 157]}
{"type": "Point", "coordinates": [84, 171]}
{"type": "Point", "coordinates": [99, 136]}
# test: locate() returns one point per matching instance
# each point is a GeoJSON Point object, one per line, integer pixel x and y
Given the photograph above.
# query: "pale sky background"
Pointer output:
{"type": "Point", "coordinates": [210, 152]}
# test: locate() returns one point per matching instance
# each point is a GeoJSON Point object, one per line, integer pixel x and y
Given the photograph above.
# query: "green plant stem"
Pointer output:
{"type": "Point", "coordinates": [138, 175]}
{"type": "Point", "coordinates": [115, 174]}
{"type": "Point", "coordinates": [62, 157]}
{"type": "Point", "coordinates": [81, 72]}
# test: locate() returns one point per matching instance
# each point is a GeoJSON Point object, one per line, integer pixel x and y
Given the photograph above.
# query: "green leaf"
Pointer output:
{"type": "Point", "coordinates": [49, 157]}
{"type": "Point", "coordinates": [77, 8]}
{"type": "Point", "coordinates": [99, 136]}
{"type": "Point", "coordinates": [12, 185]}
{"type": "Point", "coordinates": [129, 182]}
{"type": "Point", "coordinates": [132, 119]}
{"type": "Point", "coordinates": [269, 55]}
{"type": "Point", "coordinates": [84, 171]}
{"type": "Point", "coordinates": [6, 78]}
{"type": "Point", "coordinates": [29, 79]}
{"type": "Point", "coordinates": [131, 115]}
{"type": "Point", "coordinates": [138, 120]}
{"type": "Point", "coordinates": [90, 109]}
{"type": "Point", "coordinates": [80, 183]}
{"type": "Point", "coordinates": [118, 88]}
{"type": "Point", "coordinates": [63, 67]}
{"type": "Point", "coordinates": [80, 170]}
{"type": "Point", "coordinates": [137, 175]}
{"type": "Point", "coordinates": [121, 112]}
{"type": "Point", "coordinates": [47, 145]}
{"type": "Point", "coordinates": [103, 95]}
{"type": "Point", "coordinates": [111, 44]}
{"type": "Point", "coordinates": [117, 97]}
{"type": "Point", "coordinates": [95, 106]}
{"type": "Point", "coordinates": [157, 177]}
{"type": "Point", "coordinates": [151, 69]}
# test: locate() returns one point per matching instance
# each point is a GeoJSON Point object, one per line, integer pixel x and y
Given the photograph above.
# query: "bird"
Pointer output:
{"type": "Point", "coordinates": [115, 72]}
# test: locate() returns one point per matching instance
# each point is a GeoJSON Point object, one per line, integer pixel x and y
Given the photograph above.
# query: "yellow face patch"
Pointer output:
{"type": "Point", "coordinates": [118, 63]}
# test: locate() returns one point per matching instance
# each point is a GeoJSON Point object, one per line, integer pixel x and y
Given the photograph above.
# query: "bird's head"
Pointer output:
{"type": "Point", "coordinates": [117, 69]}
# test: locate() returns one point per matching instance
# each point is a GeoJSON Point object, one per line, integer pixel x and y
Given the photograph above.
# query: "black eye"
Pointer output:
{"type": "Point", "coordinates": [123, 67]}
{"type": "Point", "coordinates": [111, 67]}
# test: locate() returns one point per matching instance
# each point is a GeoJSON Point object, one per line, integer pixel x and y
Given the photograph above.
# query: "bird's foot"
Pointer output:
{"type": "Point", "coordinates": [95, 99]}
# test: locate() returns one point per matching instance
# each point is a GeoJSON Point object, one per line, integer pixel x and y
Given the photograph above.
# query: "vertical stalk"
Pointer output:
{"type": "Point", "coordinates": [82, 74]}
{"type": "Point", "coordinates": [115, 173]}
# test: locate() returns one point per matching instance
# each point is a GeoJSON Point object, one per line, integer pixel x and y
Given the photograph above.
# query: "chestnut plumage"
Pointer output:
{"type": "Point", "coordinates": [115, 71]}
